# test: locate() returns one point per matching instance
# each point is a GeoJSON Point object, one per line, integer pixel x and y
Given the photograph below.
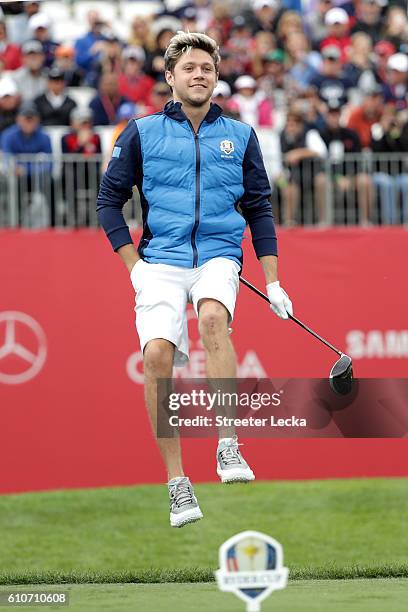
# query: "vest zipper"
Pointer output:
{"type": "Point", "coordinates": [197, 196]}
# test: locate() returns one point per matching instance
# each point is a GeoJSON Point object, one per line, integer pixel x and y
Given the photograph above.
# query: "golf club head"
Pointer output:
{"type": "Point", "coordinates": [341, 375]}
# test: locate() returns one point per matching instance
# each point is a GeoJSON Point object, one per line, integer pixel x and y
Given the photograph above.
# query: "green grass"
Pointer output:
{"type": "Point", "coordinates": [329, 529]}
{"type": "Point", "coordinates": [306, 596]}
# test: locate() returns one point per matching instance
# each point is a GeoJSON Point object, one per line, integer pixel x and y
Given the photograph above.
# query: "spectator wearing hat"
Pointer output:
{"type": "Point", "coordinates": [54, 105]}
{"type": "Point", "coordinates": [106, 103]}
{"type": "Point", "coordinates": [223, 92]}
{"type": "Point", "coordinates": [39, 26]}
{"type": "Point", "coordinates": [227, 68]}
{"type": "Point", "coordinates": [205, 11]}
{"type": "Point", "coordinates": [10, 55]}
{"type": "Point", "coordinates": [266, 15]}
{"type": "Point", "coordinates": [89, 46]}
{"type": "Point", "coordinates": [134, 83]}
{"type": "Point", "coordinates": [390, 136]}
{"type": "Point", "coordinates": [334, 132]}
{"type": "Point", "coordinates": [65, 61]}
{"type": "Point", "coordinates": [382, 51]}
{"type": "Point", "coordinates": [82, 139]}
{"type": "Point", "coordinates": [274, 81]}
{"type": "Point", "coordinates": [330, 82]}
{"type": "Point", "coordinates": [338, 32]}
{"type": "Point", "coordinates": [253, 106]}
{"type": "Point", "coordinates": [27, 138]}
{"type": "Point", "coordinates": [264, 43]}
{"type": "Point", "coordinates": [363, 117]}
{"type": "Point", "coordinates": [240, 45]}
{"type": "Point", "coordinates": [81, 175]}
{"type": "Point", "coordinates": [396, 85]}
{"type": "Point", "coordinates": [222, 96]}
{"type": "Point", "coordinates": [347, 175]}
{"type": "Point", "coordinates": [316, 28]}
{"type": "Point", "coordinates": [369, 19]}
{"type": "Point", "coordinates": [31, 79]}
{"type": "Point", "coordinates": [188, 18]}
{"type": "Point", "coordinates": [9, 102]}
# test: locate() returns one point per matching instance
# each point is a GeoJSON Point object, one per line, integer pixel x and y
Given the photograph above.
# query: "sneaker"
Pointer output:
{"type": "Point", "coordinates": [231, 466]}
{"type": "Point", "coordinates": [184, 507]}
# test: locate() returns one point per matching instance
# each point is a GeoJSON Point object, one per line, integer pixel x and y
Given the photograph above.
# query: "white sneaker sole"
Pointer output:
{"type": "Point", "coordinates": [184, 518]}
{"type": "Point", "coordinates": [235, 475]}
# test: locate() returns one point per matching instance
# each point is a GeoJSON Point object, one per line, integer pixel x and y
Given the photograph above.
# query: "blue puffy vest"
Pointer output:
{"type": "Point", "coordinates": [192, 184]}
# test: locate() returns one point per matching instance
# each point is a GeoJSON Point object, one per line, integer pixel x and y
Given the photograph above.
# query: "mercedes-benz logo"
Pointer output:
{"type": "Point", "coordinates": [23, 346]}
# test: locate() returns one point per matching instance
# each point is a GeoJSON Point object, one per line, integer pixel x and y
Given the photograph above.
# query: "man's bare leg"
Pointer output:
{"type": "Point", "coordinates": [221, 361]}
{"type": "Point", "coordinates": [158, 363]}
{"type": "Point", "coordinates": [221, 367]}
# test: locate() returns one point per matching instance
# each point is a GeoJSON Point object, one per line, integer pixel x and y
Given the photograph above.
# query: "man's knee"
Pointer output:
{"type": "Point", "coordinates": [212, 321]}
{"type": "Point", "coordinates": [158, 357]}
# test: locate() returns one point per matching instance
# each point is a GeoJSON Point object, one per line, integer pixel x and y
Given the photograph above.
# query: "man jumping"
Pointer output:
{"type": "Point", "coordinates": [192, 167]}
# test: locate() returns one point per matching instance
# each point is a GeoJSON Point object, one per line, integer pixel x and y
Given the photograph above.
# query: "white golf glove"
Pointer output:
{"type": "Point", "coordinates": [279, 299]}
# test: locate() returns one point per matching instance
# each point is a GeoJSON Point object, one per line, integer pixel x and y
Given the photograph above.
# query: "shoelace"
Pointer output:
{"type": "Point", "coordinates": [231, 455]}
{"type": "Point", "coordinates": [181, 494]}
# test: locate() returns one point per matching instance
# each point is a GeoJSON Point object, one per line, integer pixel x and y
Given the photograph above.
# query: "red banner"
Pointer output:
{"type": "Point", "coordinates": [71, 394]}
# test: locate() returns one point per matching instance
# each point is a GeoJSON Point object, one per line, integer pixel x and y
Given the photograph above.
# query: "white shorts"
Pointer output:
{"type": "Point", "coordinates": [163, 291]}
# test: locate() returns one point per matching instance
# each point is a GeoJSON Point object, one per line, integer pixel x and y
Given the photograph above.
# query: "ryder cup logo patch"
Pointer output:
{"type": "Point", "coordinates": [227, 146]}
{"type": "Point", "coordinates": [251, 566]}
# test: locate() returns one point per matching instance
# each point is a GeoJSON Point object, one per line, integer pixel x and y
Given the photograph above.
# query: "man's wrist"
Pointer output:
{"type": "Point", "coordinates": [132, 264]}
{"type": "Point", "coordinates": [129, 256]}
{"type": "Point", "coordinates": [271, 278]}
{"type": "Point", "coordinates": [269, 265]}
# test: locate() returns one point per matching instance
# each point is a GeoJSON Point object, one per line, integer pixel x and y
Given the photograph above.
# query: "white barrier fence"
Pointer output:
{"type": "Point", "coordinates": [61, 190]}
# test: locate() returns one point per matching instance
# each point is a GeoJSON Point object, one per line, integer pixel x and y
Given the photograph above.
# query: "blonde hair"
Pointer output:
{"type": "Point", "coordinates": [290, 21]}
{"type": "Point", "coordinates": [184, 42]}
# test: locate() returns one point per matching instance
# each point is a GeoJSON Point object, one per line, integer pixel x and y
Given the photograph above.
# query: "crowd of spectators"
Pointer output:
{"type": "Point", "coordinates": [330, 77]}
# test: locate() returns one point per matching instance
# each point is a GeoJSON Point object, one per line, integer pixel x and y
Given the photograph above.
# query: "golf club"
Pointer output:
{"type": "Point", "coordinates": [341, 374]}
